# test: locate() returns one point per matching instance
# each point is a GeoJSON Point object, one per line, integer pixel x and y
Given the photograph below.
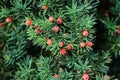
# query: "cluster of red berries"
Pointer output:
{"type": "Point", "coordinates": [63, 50]}
{"type": "Point", "coordinates": [51, 19]}
{"type": "Point", "coordinates": [85, 33]}
{"type": "Point", "coordinates": [84, 76]}
{"type": "Point", "coordinates": [8, 20]}
{"type": "Point", "coordinates": [84, 44]}
{"type": "Point", "coordinates": [59, 21]}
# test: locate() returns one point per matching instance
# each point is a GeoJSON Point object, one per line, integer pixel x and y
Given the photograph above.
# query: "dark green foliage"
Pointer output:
{"type": "Point", "coordinates": [111, 25]}
{"type": "Point", "coordinates": [26, 55]}
{"type": "Point", "coordinates": [110, 34]}
{"type": "Point", "coordinates": [16, 45]}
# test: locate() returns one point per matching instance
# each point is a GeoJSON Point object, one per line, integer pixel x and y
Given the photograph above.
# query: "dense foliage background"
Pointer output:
{"type": "Point", "coordinates": [59, 39]}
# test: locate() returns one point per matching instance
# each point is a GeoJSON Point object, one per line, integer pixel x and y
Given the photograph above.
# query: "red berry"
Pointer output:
{"type": "Point", "coordinates": [106, 13]}
{"type": "Point", "coordinates": [61, 44]}
{"type": "Point", "coordinates": [89, 43]}
{"type": "Point", "coordinates": [51, 19]}
{"type": "Point", "coordinates": [8, 20]}
{"type": "Point", "coordinates": [37, 31]}
{"type": "Point", "coordinates": [63, 51]}
{"type": "Point", "coordinates": [36, 27]}
{"type": "Point", "coordinates": [82, 44]}
{"type": "Point", "coordinates": [1, 24]}
{"type": "Point", "coordinates": [49, 42]}
{"type": "Point", "coordinates": [44, 7]}
{"type": "Point", "coordinates": [106, 77]}
{"type": "Point", "coordinates": [85, 77]}
{"type": "Point", "coordinates": [69, 47]}
{"type": "Point", "coordinates": [118, 30]}
{"type": "Point", "coordinates": [85, 33]}
{"type": "Point", "coordinates": [59, 21]}
{"type": "Point", "coordinates": [55, 29]}
{"type": "Point", "coordinates": [55, 76]}
{"type": "Point", "coordinates": [28, 22]}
